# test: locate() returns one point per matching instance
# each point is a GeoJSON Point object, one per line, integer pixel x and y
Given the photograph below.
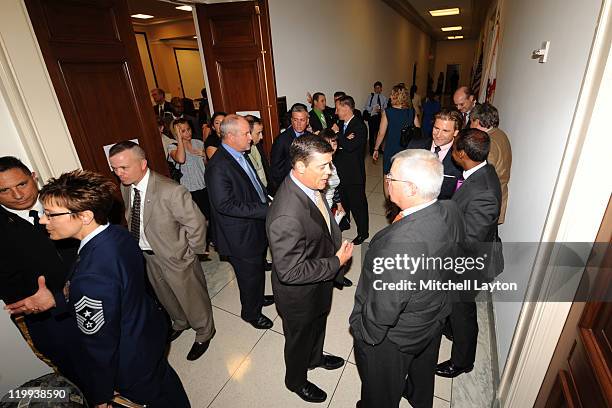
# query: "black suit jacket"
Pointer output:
{"type": "Point", "coordinates": [280, 162]}
{"type": "Point", "coordinates": [304, 264]}
{"type": "Point", "coordinates": [315, 122]}
{"type": "Point", "coordinates": [167, 108]}
{"type": "Point", "coordinates": [349, 158]}
{"type": "Point", "coordinates": [449, 184]}
{"type": "Point", "coordinates": [408, 318]}
{"type": "Point", "coordinates": [238, 213]}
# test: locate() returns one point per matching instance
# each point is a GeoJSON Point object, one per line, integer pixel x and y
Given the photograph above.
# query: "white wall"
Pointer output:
{"type": "Point", "coordinates": [536, 104]}
{"type": "Point", "coordinates": [347, 45]}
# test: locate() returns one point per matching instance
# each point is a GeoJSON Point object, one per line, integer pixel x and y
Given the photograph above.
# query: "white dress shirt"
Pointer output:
{"type": "Point", "coordinates": [25, 214]}
{"type": "Point", "coordinates": [142, 188]}
{"type": "Point", "coordinates": [92, 234]}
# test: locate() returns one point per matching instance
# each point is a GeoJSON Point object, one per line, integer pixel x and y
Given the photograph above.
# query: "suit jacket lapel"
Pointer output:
{"type": "Point", "coordinates": [240, 170]}
{"type": "Point", "coordinates": [150, 197]}
{"type": "Point", "coordinates": [315, 214]}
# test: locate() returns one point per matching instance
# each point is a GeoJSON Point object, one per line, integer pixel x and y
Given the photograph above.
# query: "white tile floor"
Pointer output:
{"type": "Point", "coordinates": [244, 367]}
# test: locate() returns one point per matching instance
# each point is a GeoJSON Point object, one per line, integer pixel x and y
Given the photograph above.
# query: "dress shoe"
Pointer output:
{"type": "Point", "coordinates": [262, 322]}
{"type": "Point", "coordinates": [330, 362]}
{"type": "Point", "coordinates": [448, 370]}
{"type": "Point", "coordinates": [174, 334]}
{"type": "Point", "coordinates": [268, 266]}
{"type": "Point", "coordinates": [197, 350]}
{"type": "Point", "coordinates": [268, 300]}
{"type": "Point", "coordinates": [359, 239]}
{"type": "Point", "coordinates": [344, 284]}
{"type": "Point", "coordinates": [311, 393]}
{"type": "Point", "coordinates": [359, 404]}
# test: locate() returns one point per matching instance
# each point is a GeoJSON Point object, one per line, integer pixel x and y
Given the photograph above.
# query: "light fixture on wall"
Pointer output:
{"type": "Point", "coordinates": [142, 16]}
{"type": "Point", "coordinates": [453, 28]}
{"type": "Point", "coordinates": [444, 12]}
{"type": "Point", "coordinates": [184, 8]}
{"type": "Point", "coordinates": [455, 37]}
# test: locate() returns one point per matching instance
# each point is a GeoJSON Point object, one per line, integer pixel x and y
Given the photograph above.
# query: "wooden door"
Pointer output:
{"type": "Point", "coordinates": [91, 54]}
{"type": "Point", "coordinates": [584, 378]}
{"type": "Point", "coordinates": [239, 64]}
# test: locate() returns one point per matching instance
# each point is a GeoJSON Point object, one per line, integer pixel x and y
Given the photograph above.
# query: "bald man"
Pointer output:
{"type": "Point", "coordinates": [465, 100]}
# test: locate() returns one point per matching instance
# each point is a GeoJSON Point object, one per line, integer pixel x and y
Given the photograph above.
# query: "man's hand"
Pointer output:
{"type": "Point", "coordinates": [335, 128]}
{"type": "Point", "coordinates": [340, 208]}
{"type": "Point", "coordinates": [309, 98]}
{"type": "Point", "coordinates": [351, 136]}
{"type": "Point", "coordinates": [345, 252]}
{"type": "Point", "coordinates": [41, 301]}
{"type": "Point", "coordinates": [375, 156]}
{"type": "Point", "coordinates": [104, 405]}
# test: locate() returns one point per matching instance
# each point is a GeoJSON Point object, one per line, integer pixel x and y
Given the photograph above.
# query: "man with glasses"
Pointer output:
{"type": "Point", "coordinates": [31, 260]}
{"type": "Point", "coordinates": [397, 332]}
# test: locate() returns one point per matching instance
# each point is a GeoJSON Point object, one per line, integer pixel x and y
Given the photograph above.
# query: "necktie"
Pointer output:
{"type": "Point", "coordinates": [135, 217]}
{"type": "Point", "coordinates": [379, 107]}
{"type": "Point", "coordinates": [344, 129]}
{"type": "Point", "coordinates": [398, 217]}
{"type": "Point", "coordinates": [437, 151]}
{"type": "Point", "coordinates": [465, 119]}
{"type": "Point", "coordinates": [323, 121]}
{"type": "Point", "coordinates": [322, 208]}
{"type": "Point", "coordinates": [251, 173]}
{"type": "Point", "coordinates": [34, 215]}
{"type": "Point", "coordinates": [459, 183]}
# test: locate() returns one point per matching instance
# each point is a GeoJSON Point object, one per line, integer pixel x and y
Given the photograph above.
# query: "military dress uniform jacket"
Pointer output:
{"type": "Point", "coordinates": [120, 335]}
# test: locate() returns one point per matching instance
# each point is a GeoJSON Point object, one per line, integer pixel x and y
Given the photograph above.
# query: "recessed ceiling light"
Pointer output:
{"type": "Point", "coordinates": [184, 8]}
{"type": "Point", "coordinates": [454, 28]}
{"type": "Point", "coordinates": [455, 37]}
{"type": "Point", "coordinates": [142, 16]}
{"type": "Point", "coordinates": [444, 12]}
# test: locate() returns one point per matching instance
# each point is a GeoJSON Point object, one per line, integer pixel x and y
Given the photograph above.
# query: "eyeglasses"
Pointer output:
{"type": "Point", "coordinates": [389, 179]}
{"type": "Point", "coordinates": [53, 215]}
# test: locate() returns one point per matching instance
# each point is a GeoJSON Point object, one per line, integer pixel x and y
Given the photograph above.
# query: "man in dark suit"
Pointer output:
{"type": "Point", "coordinates": [397, 332]}
{"type": "Point", "coordinates": [446, 126]}
{"type": "Point", "coordinates": [307, 255]}
{"type": "Point", "coordinates": [465, 101]}
{"type": "Point", "coordinates": [239, 204]}
{"type": "Point", "coordinates": [479, 199]}
{"type": "Point", "coordinates": [280, 163]}
{"type": "Point", "coordinates": [352, 141]}
{"type": "Point", "coordinates": [161, 107]}
{"type": "Point", "coordinates": [320, 117]}
{"type": "Point", "coordinates": [31, 260]}
{"type": "Point", "coordinates": [119, 334]}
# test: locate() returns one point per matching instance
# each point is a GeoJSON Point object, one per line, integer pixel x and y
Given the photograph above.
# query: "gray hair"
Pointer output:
{"type": "Point", "coordinates": [423, 169]}
{"type": "Point", "coordinates": [230, 125]}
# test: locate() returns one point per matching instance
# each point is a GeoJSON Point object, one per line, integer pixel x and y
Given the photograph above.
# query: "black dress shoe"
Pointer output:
{"type": "Point", "coordinates": [360, 238]}
{"type": "Point", "coordinates": [330, 362]}
{"type": "Point", "coordinates": [448, 370]}
{"type": "Point", "coordinates": [197, 350]}
{"type": "Point", "coordinates": [311, 393]}
{"type": "Point", "coordinates": [262, 322]}
{"type": "Point", "coordinates": [268, 266]}
{"type": "Point", "coordinates": [268, 300]}
{"type": "Point", "coordinates": [347, 283]}
{"type": "Point", "coordinates": [174, 334]}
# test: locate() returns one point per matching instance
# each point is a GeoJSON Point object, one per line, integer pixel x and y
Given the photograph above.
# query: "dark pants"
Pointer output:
{"type": "Point", "coordinates": [463, 322]}
{"type": "Point", "coordinates": [303, 347]}
{"type": "Point", "coordinates": [200, 197]}
{"type": "Point", "coordinates": [373, 126]}
{"type": "Point", "coordinates": [355, 202]}
{"type": "Point", "coordinates": [387, 374]}
{"type": "Point", "coordinates": [170, 393]}
{"type": "Point", "coordinates": [251, 282]}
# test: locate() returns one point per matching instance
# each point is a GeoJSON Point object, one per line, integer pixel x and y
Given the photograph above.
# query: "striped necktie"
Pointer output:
{"type": "Point", "coordinates": [135, 216]}
{"type": "Point", "coordinates": [322, 208]}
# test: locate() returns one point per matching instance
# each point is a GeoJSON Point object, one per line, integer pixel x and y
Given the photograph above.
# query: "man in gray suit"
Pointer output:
{"type": "Point", "coordinates": [171, 231]}
{"type": "Point", "coordinates": [307, 256]}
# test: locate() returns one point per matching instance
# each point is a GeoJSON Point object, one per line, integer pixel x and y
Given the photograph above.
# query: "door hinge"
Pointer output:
{"type": "Point", "coordinates": [257, 10]}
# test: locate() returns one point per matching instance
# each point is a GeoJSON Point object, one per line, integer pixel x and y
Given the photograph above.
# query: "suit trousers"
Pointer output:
{"type": "Point", "coordinates": [170, 392]}
{"type": "Point", "coordinates": [303, 347]}
{"type": "Point", "coordinates": [355, 202]}
{"type": "Point", "coordinates": [463, 322]}
{"type": "Point", "coordinates": [251, 279]}
{"type": "Point", "coordinates": [387, 374]}
{"type": "Point", "coordinates": [373, 126]}
{"type": "Point", "coordinates": [184, 295]}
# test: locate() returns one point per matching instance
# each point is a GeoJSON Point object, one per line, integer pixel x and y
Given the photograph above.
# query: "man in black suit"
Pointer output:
{"type": "Point", "coordinates": [352, 141]}
{"type": "Point", "coordinates": [320, 117]}
{"type": "Point", "coordinates": [307, 255]}
{"type": "Point", "coordinates": [30, 261]}
{"type": "Point", "coordinates": [397, 332]}
{"type": "Point", "coordinates": [239, 204]}
{"type": "Point", "coordinates": [465, 101]}
{"type": "Point", "coordinates": [446, 126]}
{"type": "Point", "coordinates": [162, 107]}
{"type": "Point", "coordinates": [280, 163]}
{"type": "Point", "coordinates": [479, 199]}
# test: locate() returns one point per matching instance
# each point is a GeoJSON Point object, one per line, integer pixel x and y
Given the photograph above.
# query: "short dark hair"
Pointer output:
{"type": "Point", "coordinates": [252, 119]}
{"type": "Point", "coordinates": [10, 162]}
{"type": "Point", "coordinates": [339, 94]}
{"type": "Point", "coordinates": [451, 114]}
{"type": "Point", "coordinates": [127, 145]}
{"type": "Point", "coordinates": [377, 83]}
{"type": "Point", "coordinates": [328, 134]}
{"type": "Point", "coordinates": [303, 147]}
{"type": "Point", "coordinates": [487, 115]}
{"type": "Point", "coordinates": [214, 116]}
{"type": "Point", "coordinates": [316, 96]}
{"type": "Point", "coordinates": [81, 190]}
{"type": "Point", "coordinates": [347, 100]}
{"type": "Point", "coordinates": [474, 142]}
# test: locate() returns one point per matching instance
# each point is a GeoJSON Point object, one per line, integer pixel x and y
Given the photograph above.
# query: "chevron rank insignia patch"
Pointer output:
{"type": "Point", "coordinates": [89, 314]}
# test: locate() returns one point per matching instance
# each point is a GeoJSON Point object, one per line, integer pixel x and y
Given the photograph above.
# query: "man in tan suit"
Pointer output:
{"type": "Point", "coordinates": [171, 231]}
{"type": "Point", "coordinates": [486, 118]}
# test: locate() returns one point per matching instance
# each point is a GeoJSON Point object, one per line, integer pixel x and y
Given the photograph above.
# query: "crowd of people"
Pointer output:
{"type": "Point", "coordinates": [100, 302]}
